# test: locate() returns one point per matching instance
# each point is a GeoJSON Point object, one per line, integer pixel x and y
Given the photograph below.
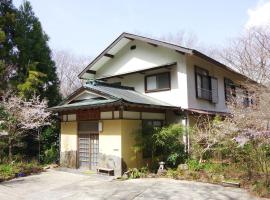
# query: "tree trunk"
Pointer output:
{"type": "Point", "coordinates": [9, 150]}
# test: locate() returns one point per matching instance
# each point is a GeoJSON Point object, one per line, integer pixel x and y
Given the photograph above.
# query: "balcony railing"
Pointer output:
{"type": "Point", "coordinates": [210, 95]}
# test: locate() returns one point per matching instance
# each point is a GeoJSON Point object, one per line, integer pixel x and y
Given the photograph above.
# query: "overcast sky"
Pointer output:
{"type": "Point", "coordinates": [87, 27]}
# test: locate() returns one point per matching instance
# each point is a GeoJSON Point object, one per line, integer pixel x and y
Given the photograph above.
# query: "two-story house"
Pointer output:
{"type": "Point", "coordinates": [139, 81]}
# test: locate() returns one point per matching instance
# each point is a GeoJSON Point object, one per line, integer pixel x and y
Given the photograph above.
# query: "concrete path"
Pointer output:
{"type": "Point", "coordinates": [65, 185]}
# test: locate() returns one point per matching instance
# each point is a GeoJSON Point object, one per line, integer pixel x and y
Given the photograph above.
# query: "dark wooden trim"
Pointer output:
{"type": "Point", "coordinates": [154, 45]}
{"type": "Point", "coordinates": [121, 112]}
{"type": "Point", "coordinates": [157, 90]}
{"type": "Point", "coordinates": [77, 151]}
{"type": "Point", "coordinates": [109, 55]}
{"type": "Point", "coordinates": [166, 66]}
{"type": "Point", "coordinates": [129, 38]}
{"type": "Point", "coordinates": [182, 53]}
{"type": "Point", "coordinates": [112, 114]}
{"type": "Point", "coordinates": [91, 71]}
{"type": "Point", "coordinates": [141, 109]}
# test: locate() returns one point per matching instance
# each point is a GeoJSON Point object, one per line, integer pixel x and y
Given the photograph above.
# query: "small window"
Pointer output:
{"type": "Point", "coordinates": [206, 86]}
{"type": "Point", "coordinates": [230, 89]}
{"type": "Point", "coordinates": [69, 117]}
{"type": "Point", "coordinates": [157, 82]}
{"type": "Point", "coordinates": [152, 123]}
{"type": "Point", "coordinates": [203, 84]}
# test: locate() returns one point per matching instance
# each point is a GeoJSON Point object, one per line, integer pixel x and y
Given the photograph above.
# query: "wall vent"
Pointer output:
{"type": "Point", "coordinates": [133, 47]}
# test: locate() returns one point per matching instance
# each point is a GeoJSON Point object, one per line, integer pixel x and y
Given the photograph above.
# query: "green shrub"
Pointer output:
{"type": "Point", "coordinates": [6, 171]}
{"type": "Point", "coordinates": [194, 165]}
{"type": "Point", "coordinates": [169, 146]}
{"type": "Point", "coordinates": [137, 173]}
{"type": "Point", "coordinates": [261, 189]}
{"type": "Point", "coordinates": [50, 155]}
{"type": "Point", "coordinates": [171, 173]}
{"type": "Point", "coordinates": [213, 167]}
{"type": "Point", "coordinates": [9, 171]}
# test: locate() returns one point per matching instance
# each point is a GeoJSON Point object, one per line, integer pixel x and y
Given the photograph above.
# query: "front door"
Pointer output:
{"type": "Point", "coordinates": [88, 150]}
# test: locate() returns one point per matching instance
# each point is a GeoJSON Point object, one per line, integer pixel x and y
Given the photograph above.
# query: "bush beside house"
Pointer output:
{"type": "Point", "coordinates": [218, 155]}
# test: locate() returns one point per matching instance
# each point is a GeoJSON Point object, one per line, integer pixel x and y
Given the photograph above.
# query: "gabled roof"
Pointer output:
{"type": "Point", "coordinates": [115, 95]}
{"type": "Point", "coordinates": [125, 38]}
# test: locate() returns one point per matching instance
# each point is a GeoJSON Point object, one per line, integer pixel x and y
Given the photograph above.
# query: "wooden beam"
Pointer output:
{"type": "Point", "coordinates": [109, 55]}
{"type": "Point", "coordinates": [180, 52]}
{"type": "Point", "coordinates": [91, 71]}
{"type": "Point", "coordinates": [155, 45]}
{"type": "Point", "coordinates": [129, 38]}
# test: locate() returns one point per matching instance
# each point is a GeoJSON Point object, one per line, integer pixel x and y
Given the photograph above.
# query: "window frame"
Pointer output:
{"type": "Point", "coordinates": [231, 84]}
{"type": "Point", "coordinates": [157, 90]}
{"type": "Point", "coordinates": [146, 153]}
{"type": "Point", "coordinates": [196, 72]}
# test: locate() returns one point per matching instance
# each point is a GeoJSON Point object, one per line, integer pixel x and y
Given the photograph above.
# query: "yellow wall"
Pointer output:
{"type": "Point", "coordinates": [110, 138]}
{"type": "Point", "coordinates": [69, 136]}
{"type": "Point", "coordinates": [131, 129]}
{"type": "Point", "coordinates": [116, 142]}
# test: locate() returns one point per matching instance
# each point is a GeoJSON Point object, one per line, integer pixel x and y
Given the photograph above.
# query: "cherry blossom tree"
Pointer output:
{"type": "Point", "coordinates": [18, 116]}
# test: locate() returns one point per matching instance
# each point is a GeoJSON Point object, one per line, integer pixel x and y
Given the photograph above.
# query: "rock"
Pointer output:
{"type": "Point", "coordinates": [51, 166]}
{"type": "Point", "coordinates": [46, 167]}
{"type": "Point", "coordinates": [162, 172]}
{"type": "Point", "coordinates": [125, 176]}
{"type": "Point", "coordinates": [217, 178]}
{"type": "Point", "coordinates": [230, 184]}
{"type": "Point", "coordinates": [182, 167]}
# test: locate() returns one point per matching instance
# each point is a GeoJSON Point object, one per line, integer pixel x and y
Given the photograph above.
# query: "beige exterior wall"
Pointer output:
{"type": "Point", "coordinates": [130, 130]}
{"type": "Point", "coordinates": [69, 136]}
{"type": "Point", "coordinates": [110, 146]}
{"type": "Point", "coordinates": [110, 138]}
{"type": "Point", "coordinates": [116, 145]}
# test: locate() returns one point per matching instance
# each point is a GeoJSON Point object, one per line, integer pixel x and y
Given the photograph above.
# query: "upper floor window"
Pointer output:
{"type": "Point", "coordinates": [206, 86]}
{"type": "Point", "coordinates": [230, 89]}
{"type": "Point", "coordinates": [237, 93]}
{"type": "Point", "coordinates": [157, 82]}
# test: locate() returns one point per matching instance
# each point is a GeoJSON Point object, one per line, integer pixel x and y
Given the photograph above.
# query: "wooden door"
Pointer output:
{"type": "Point", "coordinates": [88, 151]}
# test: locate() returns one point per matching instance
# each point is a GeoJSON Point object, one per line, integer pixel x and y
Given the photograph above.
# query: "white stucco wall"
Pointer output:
{"type": "Point", "coordinates": [215, 71]}
{"type": "Point", "coordinates": [147, 56]}
{"type": "Point", "coordinates": [183, 92]}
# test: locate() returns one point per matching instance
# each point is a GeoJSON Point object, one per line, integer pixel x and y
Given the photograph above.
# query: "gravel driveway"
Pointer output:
{"type": "Point", "coordinates": [65, 185]}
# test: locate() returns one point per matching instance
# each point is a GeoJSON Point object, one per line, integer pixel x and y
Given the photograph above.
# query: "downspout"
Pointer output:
{"type": "Point", "coordinates": [187, 146]}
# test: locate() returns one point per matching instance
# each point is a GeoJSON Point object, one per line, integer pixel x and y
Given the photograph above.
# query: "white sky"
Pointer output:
{"type": "Point", "coordinates": [260, 15]}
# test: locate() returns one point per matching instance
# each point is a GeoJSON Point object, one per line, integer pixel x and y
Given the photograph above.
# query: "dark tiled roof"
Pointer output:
{"type": "Point", "coordinates": [126, 93]}
{"type": "Point", "coordinates": [84, 104]}
{"type": "Point", "coordinates": [115, 94]}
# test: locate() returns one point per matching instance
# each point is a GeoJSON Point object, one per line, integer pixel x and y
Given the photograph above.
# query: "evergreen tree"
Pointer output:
{"type": "Point", "coordinates": [36, 70]}
{"type": "Point", "coordinates": [8, 47]}
{"type": "Point", "coordinates": [26, 66]}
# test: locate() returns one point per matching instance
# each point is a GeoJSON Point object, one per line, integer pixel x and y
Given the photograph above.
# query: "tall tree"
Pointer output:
{"type": "Point", "coordinates": [8, 47]}
{"type": "Point", "coordinates": [36, 69]}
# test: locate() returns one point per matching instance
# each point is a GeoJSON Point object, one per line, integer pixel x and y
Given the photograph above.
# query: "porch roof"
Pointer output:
{"type": "Point", "coordinates": [115, 95]}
